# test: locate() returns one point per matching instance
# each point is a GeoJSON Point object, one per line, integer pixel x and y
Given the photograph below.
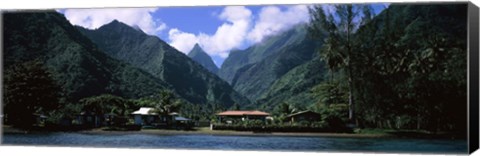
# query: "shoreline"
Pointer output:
{"type": "Point", "coordinates": [207, 131]}
{"type": "Point", "coordinates": [235, 133]}
{"type": "Point", "coordinates": [201, 131]}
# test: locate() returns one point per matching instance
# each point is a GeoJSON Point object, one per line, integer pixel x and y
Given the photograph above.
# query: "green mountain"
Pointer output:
{"type": "Point", "coordinates": [187, 77]}
{"type": "Point", "coordinates": [295, 87]}
{"type": "Point", "coordinates": [258, 77]}
{"type": "Point", "coordinates": [258, 52]}
{"type": "Point", "coordinates": [252, 71]}
{"type": "Point", "coordinates": [78, 66]}
{"type": "Point", "coordinates": [197, 54]}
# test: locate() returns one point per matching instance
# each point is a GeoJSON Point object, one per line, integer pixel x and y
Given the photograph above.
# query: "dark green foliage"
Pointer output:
{"type": "Point", "coordinates": [259, 126]}
{"type": "Point", "coordinates": [333, 115]}
{"type": "Point", "coordinates": [419, 68]}
{"type": "Point", "coordinates": [106, 104]}
{"type": "Point", "coordinates": [408, 68]}
{"type": "Point", "coordinates": [202, 112]}
{"type": "Point", "coordinates": [194, 112]}
{"type": "Point", "coordinates": [29, 89]}
{"type": "Point", "coordinates": [331, 92]}
{"type": "Point", "coordinates": [166, 102]}
{"type": "Point", "coordinates": [235, 107]}
{"type": "Point", "coordinates": [197, 54]}
{"type": "Point", "coordinates": [74, 61]}
{"type": "Point", "coordinates": [285, 109]}
{"type": "Point", "coordinates": [186, 77]}
{"type": "Point", "coordinates": [295, 86]}
{"type": "Point", "coordinates": [338, 49]}
{"type": "Point", "coordinates": [67, 111]}
{"type": "Point", "coordinates": [282, 110]}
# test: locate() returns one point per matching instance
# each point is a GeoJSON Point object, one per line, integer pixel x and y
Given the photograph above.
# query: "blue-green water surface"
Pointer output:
{"type": "Point", "coordinates": [222, 142]}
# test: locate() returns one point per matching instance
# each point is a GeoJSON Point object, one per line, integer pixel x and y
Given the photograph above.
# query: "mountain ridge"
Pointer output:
{"type": "Point", "coordinates": [253, 70]}
{"type": "Point", "coordinates": [81, 69]}
{"type": "Point", "coordinates": [187, 77]}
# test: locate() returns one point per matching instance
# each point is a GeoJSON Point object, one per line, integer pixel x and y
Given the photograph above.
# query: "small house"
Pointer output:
{"type": "Point", "coordinates": [307, 115]}
{"type": "Point", "coordinates": [235, 116]}
{"type": "Point", "coordinates": [91, 119]}
{"type": "Point", "coordinates": [177, 118]}
{"type": "Point", "coordinates": [182, 122]}
{"type": "Point", "coordinates": [145, 116]}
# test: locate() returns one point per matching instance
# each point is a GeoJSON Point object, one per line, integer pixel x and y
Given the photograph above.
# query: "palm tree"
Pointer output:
{"type": "Point", "coordinates": [331, 56]}
{"type": "Point", "coordinates": [166, 103]}
{"type": "Point", "coordinates": [339, 27]}
{"type": "Point", "coordinates": [283, 110]}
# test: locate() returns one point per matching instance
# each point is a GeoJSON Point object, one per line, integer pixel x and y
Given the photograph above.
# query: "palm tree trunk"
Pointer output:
{"type": "Point", "coordinates": [351, 111]}
{"type": "Point", "coordinates": [349, 68]}
{"type": "Point", "coordinates": [351, 103]}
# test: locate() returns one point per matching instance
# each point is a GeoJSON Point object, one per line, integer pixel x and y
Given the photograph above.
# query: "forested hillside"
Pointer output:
{"type": "Point", "coordinates": [78, 66]}
{"type": "Point", "coordinates": [253, 70]}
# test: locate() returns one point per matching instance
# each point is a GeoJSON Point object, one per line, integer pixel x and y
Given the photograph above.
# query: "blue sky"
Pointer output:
{"type": "Point", "coordinates": [217, 29]}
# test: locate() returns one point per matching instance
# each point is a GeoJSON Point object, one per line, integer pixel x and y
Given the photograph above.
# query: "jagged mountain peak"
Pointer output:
{"type": "Point", "coordinates": [201, 57]}
{"type": "Point", "coordinates": [197, 50]}
{"type": "Point", "coordinates": [121, 27]}
{"type": "Point", "coordinates": [197, 46]}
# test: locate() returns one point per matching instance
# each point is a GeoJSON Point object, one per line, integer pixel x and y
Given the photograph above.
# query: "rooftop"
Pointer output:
{"type": "Point", "coordinates": [242, 113]}
{"type": "Point", "coordinates": [302, 112]}
{"type": "Point", "coordinates": [179, 118]}
{"type": "Point", "coordinates": [145, 111]}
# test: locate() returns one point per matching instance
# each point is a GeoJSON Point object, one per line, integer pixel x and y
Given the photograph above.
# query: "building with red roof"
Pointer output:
{"type": "Point", "coordinates": [236, 116]}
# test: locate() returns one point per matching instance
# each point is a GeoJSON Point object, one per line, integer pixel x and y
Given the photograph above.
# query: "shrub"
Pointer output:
{"type": "Point", "coordinates": [282, 127]}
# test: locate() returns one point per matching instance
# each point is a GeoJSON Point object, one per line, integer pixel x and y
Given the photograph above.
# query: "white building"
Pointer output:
{"type": "Point", "coordinates": [144, 116]}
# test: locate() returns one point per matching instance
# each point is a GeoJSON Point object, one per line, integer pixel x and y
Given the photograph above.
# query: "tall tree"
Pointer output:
{"type": "Point", "coordinates": [28, 89]}
{"type": "Point", "coordinates": [282, 110]}
{"type": "Point", "coordinates": [165, 103]}
{"type": "Point", "coordinates": [235, 106]}
{"type": "Point", "coordinates": [106, 104]}
{"type": "Point", "coordinates": [286, 109]}
{"type": "Point", "coordinates": [410, 67]}
{"type": "Point", "coordinates": [339, 26]}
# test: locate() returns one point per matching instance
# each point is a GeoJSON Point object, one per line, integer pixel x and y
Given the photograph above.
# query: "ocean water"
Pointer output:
{"type": "Point", "coordinates": [255, 143]}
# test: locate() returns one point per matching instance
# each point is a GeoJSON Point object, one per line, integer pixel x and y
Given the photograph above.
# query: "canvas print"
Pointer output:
{"type": "Point", "coordinates": [373, 77]}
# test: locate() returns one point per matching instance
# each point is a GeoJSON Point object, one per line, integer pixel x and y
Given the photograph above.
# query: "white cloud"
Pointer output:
{"type": "Point", "coordinates": [162, 26]}
{"type": "Point", "coordinates": [235, 13]}
{"type": "Point", "coordinates": [238, 29]}
{"type": "Point", "coordinates": [230, 34]}
{"type": "Point", "coordinates": [94, 18]}
{"type": "Point", "coordinates": [273, 20]}
{"type": "Point", "coordinates": [182, 41]}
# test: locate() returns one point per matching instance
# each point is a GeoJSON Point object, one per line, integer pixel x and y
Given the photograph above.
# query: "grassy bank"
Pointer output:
{"type": "Point", "coordinates": [207, 131]}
